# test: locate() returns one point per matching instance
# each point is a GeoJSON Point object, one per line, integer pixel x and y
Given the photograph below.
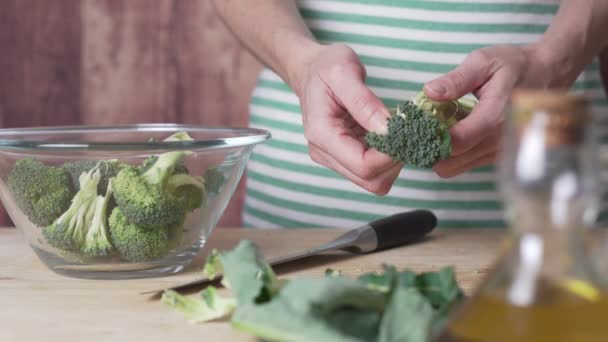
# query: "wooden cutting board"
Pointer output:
{"type": "Point", "coordinates": [38, 305]}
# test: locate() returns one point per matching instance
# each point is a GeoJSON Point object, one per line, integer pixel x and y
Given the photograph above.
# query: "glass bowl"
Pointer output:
{"type": "Point", "coordinates": [73, 232]}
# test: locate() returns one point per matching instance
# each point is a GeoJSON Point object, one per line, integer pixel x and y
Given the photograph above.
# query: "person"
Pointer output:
{"type": "Point", "coordinates": [335, 67]}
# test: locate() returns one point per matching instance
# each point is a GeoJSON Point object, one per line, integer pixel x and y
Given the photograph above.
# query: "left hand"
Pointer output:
{"type": "Point", "coordinates": [491, 74]}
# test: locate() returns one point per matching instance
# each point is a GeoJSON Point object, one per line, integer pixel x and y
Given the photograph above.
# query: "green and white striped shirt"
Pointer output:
{"type": "Point", "coordinates": [403, 44]}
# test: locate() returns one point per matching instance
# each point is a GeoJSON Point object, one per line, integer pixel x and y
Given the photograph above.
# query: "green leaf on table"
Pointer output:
{"type": "Point", "coordinates": [213, 265]}
{"type": "Point", "coordinates": [248, 274]}
{"type": "Point", "coordinates": [330, 272]}
{"type": "Point", "coordinates": [315, 310]}
{"type": "Point", "coordinates": [440, 288]}
{"type": "Point", "coordinates": [407, 317]}
{"type": "Point", "coordinates": [385, 280]}
{"type": "Point", "coordinates": [384, 306]}
{"type": "Point", "coordinates": [197, 310]}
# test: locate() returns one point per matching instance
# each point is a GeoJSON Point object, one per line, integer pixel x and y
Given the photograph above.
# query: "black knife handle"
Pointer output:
{"type": "Point", "coordinates": [402, 228]}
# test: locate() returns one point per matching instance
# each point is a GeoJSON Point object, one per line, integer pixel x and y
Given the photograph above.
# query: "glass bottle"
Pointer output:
{"type": "Point", "coordinates": [543, 286]}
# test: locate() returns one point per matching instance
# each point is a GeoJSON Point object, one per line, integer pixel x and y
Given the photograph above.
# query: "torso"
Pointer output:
{"type": "Point", "coordinates": [403, 43]}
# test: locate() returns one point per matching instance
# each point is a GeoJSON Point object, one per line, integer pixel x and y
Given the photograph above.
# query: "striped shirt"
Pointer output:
{"type": "Point", "coordinates": [403, 44]}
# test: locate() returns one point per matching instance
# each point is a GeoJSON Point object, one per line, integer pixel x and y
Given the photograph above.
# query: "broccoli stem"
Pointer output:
{"type": "Point", "coordinates": [97, 241]}
{"type": "Point", "coordinates": [163, 168]}
{"type": "Point", "coordinates": [180, 180]}
{"type": "Point", "coordinates": [68, 232]}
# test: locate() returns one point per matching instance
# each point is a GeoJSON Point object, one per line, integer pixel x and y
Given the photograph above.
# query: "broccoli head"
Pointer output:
{"type": "Point", "coordinates": [136, 243]}
{"type": "Point", "coordinates": [108, 169]}
{"type": "Point", "coordinates": [97, 241]}
{"type": "Point", "coordinates": [69, 231]}
{"type": "Point", "coordinates": [144, 198]}
{"type": "Point", "coordinates": [418, 131]}
{"type": "Point", "coordinates": [42, 192]}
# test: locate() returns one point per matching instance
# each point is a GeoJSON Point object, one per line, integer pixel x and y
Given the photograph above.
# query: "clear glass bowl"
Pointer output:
{"type": "Point", "coordinates": [225, 151]}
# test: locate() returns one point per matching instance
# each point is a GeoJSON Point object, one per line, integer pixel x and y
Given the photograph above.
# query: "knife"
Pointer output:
{"type": "Point", "coordinates": [385, 233]}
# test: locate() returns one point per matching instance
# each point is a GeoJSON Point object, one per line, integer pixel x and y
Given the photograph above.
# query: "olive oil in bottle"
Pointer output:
{"type": "Point", "coordinates": [543, 286]}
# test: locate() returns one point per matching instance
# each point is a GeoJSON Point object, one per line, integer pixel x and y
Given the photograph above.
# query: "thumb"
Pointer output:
{"type": "Point", "coordinates": [464, 79]}
{"type": "Point", "coordinates": [365, 107]}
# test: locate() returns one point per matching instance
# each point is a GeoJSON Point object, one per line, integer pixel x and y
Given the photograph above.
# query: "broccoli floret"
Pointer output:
{"type": "Point", "coordinates": [190, 189]}
{"type": "Point", "coordinates": [97, 242]}
{"type": "Point", "coordinates": [418, 130]}
{"type": "Point", "coordinates": [68, 232]}
{"type": "Point", "coordinates": [42, 192]}
{"type": "Point", "coordinates": [179, 168]}
{"type": "Point", "coordinates": [137, 243]}
{"type": "Point", "coordinates": [144, 198]}
{"type": "Point", "coordinates": [175, 234]}
{"type": "Point", "coordinates": [108, 169]}
{"type": "Point", "coordinates": [214, 180]}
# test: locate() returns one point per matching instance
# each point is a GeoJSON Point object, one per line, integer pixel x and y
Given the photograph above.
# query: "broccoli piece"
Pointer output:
{"type": "Point", "coordinates": [179, 136]}
{"type": "Point", "coordinates": [190, 189]}
{"type": "Point", "coordinates": [418, 130]}
{"type": "Point", "coordinates": [214, 180]}
{"type": "Point", "coordinates": [145, 198]}
{"type": "Point", "coordinates": [42, 192]}
{"type": "Point", "coordinates": [68, 232]}
{"type": "Point", "coordinates": [108, 169]}
{"type": "Point", "coordinates": [97, 241]}
{"type": "Point", "coordinates": [179, 168]}
{"type": "Point", "coordinates": [137, 243]}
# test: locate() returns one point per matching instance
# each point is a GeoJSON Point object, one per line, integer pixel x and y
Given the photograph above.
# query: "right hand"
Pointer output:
{"type": "Point", "coordinates": [337, 111]}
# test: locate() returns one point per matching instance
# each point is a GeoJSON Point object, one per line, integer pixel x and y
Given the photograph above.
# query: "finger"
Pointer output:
{"type": "Point", "coordinates": [488, 146]}
{"type": "Point", "coordinates": [351, 92]}
{"type": "Point", "coordinates": [471, 74]}
{"type": "Point", "coordinates": [380, 184]}
{"type": "Point", "coordinates": [341, 137]}
{"type": "Point", "coordinates": [351, 153]}
{"type": "Point", "coordinates": [486, 118]}
{"type": "Point", "coordinates": [484, 160]}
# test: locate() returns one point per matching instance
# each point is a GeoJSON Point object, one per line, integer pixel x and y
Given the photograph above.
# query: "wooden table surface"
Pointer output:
{"type": "Point", "coordinates": [38, 305]}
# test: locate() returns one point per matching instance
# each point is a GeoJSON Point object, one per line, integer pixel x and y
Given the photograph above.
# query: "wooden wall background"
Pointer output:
{"type": "Point", "coordinates": [122, 61]}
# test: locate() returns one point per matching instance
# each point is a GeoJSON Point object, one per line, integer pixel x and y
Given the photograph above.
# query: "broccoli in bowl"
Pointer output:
{"type": "Point", "coordinates": [109, 210]}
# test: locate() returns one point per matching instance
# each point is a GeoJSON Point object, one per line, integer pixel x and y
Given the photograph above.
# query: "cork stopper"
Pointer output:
{"type": "Point", "coordinates": [564, 115]}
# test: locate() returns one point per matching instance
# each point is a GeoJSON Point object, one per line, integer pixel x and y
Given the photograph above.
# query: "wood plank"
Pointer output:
{"type": "Point", "coordinates": [214, 78]}
{"type": "Point", "coordinates": [41, 75]}
{"type": "Point", "coordinates": [165, 61]}
{"type": "Point", "coordinates": [128, 75]}
{"type": "Point", "coordinates": [40, 78]}
{"type": "Point", "coordinates": [40, 63]}
{"type": "Point", "coordinates": [113, 310]}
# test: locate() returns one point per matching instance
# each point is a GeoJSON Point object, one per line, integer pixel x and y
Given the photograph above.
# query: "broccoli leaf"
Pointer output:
{"type": "Point", "coordinates": [440, 288]}
{"type": "Point", "coordinates": [248, 275]}
{"type": "Point", "coordinates": [385, 306]}
{"type": "Point", "coordinates": [208, 308]}
{"type": "Point", "coordinates": [330, 272]}
{"type": "Point", "coordinates": [384, 281]}
{"type": "Point", "coordinates": [213, 265]}
{"type": "Point", "coordinates": [407, 317]}
{"type": "Point", "coordinates": [315, 310]}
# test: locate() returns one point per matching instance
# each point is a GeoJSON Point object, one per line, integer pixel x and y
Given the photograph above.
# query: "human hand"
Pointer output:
{"type": "Point", "coordinates": [490, 74]}
{"type": "Point", "coordinates": [338, 110]}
